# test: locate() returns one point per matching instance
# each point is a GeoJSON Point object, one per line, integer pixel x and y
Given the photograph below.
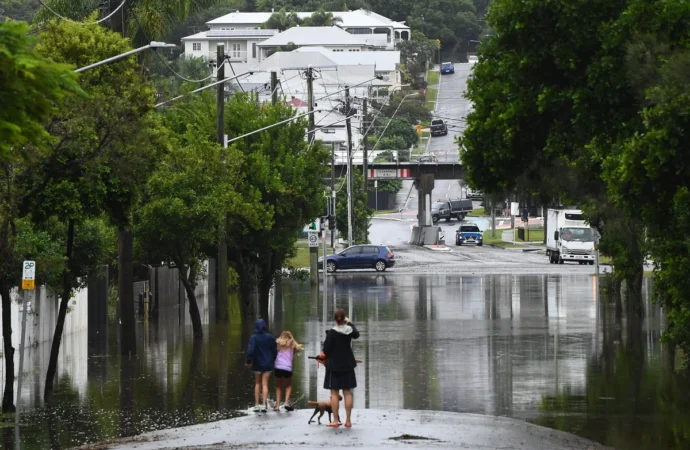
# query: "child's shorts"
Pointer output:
{"type": "Point", "coordinates": [280, 373]}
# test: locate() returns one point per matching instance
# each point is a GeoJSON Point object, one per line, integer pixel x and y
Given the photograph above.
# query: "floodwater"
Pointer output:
{"type": "Point", "coordinates": [538, 348]}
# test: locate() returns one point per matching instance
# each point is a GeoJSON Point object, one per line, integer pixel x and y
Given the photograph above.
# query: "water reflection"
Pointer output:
{"type": "Point", "coordinates": [538, 348]}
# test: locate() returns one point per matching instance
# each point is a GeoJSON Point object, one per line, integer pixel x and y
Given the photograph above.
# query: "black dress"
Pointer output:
{"type": "Point", "coordinates": [340, 361]}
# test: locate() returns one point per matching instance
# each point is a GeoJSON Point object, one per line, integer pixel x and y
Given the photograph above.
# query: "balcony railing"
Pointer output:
{"type": "Point", "coordinates": [233, 55]}
{"type": "Point", "coordinates": [241, 33]}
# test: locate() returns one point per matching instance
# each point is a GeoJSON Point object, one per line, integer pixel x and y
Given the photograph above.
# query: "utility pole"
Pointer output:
{"type": "Point", "coordinates": [331, 226]}
{"type": "Point", "coordinates": [350, 208]}
{"type": "Point", "coordinates": [313, 251]}
{"type": "Point", "coordinates": [274, 87]}
{"type": "Point", "coordinates": [222, 263]}
{"type": "Point", "coordinates": [365, 164]}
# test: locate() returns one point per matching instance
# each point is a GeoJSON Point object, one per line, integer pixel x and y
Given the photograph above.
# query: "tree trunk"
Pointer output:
{"type": "Point", "coordinates": [634, 293]}
{"type": "Point", "coordinates": [62, 313]}
{"type": "Point", "coordinates": [188, 395]}
{"type": "Point", "coordinates": [125, 289]}
{"type": "Point", "coordinates": [189, 283]}
{"type": "Point", "coordinates": [265, 284]}
{"type": "Point", "coordinates": [245, 286]}
{"type": "Point", "coordinates": [8, 350]}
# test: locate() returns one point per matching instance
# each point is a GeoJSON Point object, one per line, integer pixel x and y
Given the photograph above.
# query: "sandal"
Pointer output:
{"type": "Point", "coordinates": [288, 407]}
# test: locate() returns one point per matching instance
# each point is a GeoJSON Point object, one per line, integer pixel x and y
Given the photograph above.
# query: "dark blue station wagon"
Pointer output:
{"type": "Point", "coordinates": [377, 257]}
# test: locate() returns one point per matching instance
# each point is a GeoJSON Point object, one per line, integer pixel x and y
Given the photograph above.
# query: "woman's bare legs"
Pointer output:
{"type": "Point", "coordinates": [264, 380]}
{"type": "Point", "coordinates": [335, 406]}
{"type": "Point", "coordinates": [288, 390]}
{"type": "Point", "coordinates": [347, 393]}
{"type": "Point", "coordinates": [279, 393]}
{"type": "Point", "coordinates": [257, 388]}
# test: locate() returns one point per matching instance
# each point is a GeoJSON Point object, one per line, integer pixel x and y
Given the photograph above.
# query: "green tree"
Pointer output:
{"type": "Point", "coordinates": [32, 88]}
{"type": "Point", "coordinates": [452, 21]}
{"type": "Point", "coordinates": [282, 20]}
{"type": "Point", "coordinates": [321, 18]}
{"type": "Point", "coordinates": [416, 54]}
{"type": "Point", "coordinates": [188, 195]}
{"type": "Point", "coordinates": [412, 109]}
{"type": "Point", "coordinates": [551, 99]}
{"type": "Point", "coordinates": [106, 144]}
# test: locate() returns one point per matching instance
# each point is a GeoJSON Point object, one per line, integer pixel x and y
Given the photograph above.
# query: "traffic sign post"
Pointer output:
{"type": "Point", "coordinates": [313, 239]}
{"type": "Point", "coordinates": [28, 285]}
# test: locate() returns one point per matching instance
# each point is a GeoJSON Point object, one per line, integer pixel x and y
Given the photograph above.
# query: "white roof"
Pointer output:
{"type": "Point", "coordinates": [280, 61]}
{"type": "Point", "coordinates": [384, 61]}
{"type": "Point", "coordinates": [358, 18]}
{"type": "Point", "coordinates": [302, 36]}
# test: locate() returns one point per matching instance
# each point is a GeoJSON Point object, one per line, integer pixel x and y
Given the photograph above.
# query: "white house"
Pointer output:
{"type": "Point", "coordinates": [333, 38]}
{"type": "Point", "coordinates": [241, 33]}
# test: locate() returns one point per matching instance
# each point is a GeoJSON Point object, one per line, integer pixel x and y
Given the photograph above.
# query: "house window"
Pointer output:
{"type": "Point", "coordinates": [235, 50]}
{"type": "Point", "coordinates": [254, 50]}
{"type": "Point", "coordinates": [196, 46]}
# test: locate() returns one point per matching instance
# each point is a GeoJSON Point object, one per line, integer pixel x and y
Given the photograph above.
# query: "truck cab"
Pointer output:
{"type": "Point", "coordinates": [438, 127]}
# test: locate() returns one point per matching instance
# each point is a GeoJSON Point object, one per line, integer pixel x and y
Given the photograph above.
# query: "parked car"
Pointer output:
{"type": "Point", "coordinates": [450, 209]}
{"type": "Point", "coordinates": [428, 158]}
{"type": "Point", "coordinates": [438, 127]}
{"type": "Point", "coordinates": [469, 233]}
{"type": "Point", "coordinates": [378, 257]}
{"type": "Point", "coordinates": [447, 67]}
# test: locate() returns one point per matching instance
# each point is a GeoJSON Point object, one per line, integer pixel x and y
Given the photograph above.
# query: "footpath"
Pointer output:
{"type": "Point", "coordinates": [371, 429]}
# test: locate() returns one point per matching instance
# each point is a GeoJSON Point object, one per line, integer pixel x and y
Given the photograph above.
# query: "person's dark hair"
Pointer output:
{"type": "Point", "coordinates": [339, 316]}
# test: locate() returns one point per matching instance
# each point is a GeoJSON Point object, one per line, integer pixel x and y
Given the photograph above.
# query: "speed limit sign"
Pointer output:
{"type": "Point", "coordinates": [313, 239]}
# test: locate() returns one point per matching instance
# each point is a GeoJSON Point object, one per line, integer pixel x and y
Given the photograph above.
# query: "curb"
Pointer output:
{"type": "Point", "coordinates": [437, 248]}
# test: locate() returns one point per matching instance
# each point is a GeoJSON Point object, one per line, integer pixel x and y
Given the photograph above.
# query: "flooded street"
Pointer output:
{"type": "Point", "coordinates": [540, 348]}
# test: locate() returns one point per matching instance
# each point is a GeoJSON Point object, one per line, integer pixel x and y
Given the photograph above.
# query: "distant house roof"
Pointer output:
{"type": "Point", "coordinates": [305, 36]}
{"type": "Point", "coordinates": [280, 61]}
{"type": "Point", "coordinates": [384, 61]}
{"type": "Point", "coordinates": [358, 18]}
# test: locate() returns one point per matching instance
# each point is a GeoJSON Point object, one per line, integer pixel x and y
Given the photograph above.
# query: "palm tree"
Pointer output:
{"type": "Point", "coordinates": [321, 18]}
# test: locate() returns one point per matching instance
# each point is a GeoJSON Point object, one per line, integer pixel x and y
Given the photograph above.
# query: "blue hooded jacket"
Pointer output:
{"type": "Point", "coordinates": [262, 350]}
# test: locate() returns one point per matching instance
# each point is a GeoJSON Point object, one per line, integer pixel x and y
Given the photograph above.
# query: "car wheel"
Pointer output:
{"type": "Point", "coordinates": [380, 266]}
{"type": "Point", "coordinates": [458, 244]}
{"type": "Point", "coordinates": [480, 244]}
{"type": "Point", "coordinates": [331, 267]}
{"type": "Point", "coordinates": [434, 218]}
{"type": "Point", "coordinates": [591, 263]}
{"type": "Point", "coordinates": [560, 260]}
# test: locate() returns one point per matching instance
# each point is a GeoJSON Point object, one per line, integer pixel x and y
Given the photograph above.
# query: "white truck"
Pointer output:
{"type": "Point", "coordinates": [569, 237]}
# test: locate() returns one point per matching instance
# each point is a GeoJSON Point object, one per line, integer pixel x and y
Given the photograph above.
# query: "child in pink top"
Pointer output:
{"type": "Point", "coordinates": [287, 347]}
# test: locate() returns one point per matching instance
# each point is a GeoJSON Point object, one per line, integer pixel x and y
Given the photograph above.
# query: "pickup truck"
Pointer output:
{"type": "Point", "coordinates": [450, 209]}
{"type": "Point", "coordinates": [469, 233]}
{"type": "Point", "coordinates": [438, 127]}
{"type": "Point", "coordinates": [447, 67]}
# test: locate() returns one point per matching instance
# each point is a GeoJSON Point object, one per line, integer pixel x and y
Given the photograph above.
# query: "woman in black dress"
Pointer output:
{"type": "Point", "coordinates": [340, 364]}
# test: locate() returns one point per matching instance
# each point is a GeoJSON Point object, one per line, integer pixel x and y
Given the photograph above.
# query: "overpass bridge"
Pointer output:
{"type": "Point", "coordinates": [423, 175]}
{"type": "Point", "coordinates": [407, 170]}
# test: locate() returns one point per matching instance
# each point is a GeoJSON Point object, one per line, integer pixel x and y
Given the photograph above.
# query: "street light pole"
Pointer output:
{"type": "Point", "coordinates": [153, 46]}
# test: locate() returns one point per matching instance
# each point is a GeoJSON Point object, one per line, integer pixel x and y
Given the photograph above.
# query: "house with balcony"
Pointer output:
{"type": "Point", "coordinates": [242, 35]}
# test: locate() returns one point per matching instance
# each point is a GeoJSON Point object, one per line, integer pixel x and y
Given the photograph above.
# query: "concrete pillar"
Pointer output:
{"type": "Point", "coordinates": [424, 185]}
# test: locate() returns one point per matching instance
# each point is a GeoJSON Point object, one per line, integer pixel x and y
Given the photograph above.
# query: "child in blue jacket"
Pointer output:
{"type": "Point", "coordinates": [261, 355]}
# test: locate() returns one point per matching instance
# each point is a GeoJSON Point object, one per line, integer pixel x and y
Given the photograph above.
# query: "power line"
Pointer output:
{"type": "Point", "coordinates": [55, 13]}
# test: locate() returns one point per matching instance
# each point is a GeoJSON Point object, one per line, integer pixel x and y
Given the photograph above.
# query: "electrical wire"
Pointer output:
{"type": "Point", "coordinates": [233, 71]}
{"type": "Point", "coordinates": [55, 13]}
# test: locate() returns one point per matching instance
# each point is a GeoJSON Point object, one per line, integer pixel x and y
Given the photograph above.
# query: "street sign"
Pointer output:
{"type": "Point", "coordinates": [419, 130]}
{"type": "Point", "coordinates": [29, 275]}
{"type": "Point", "coordinates": [390, 173]}
{"type": "Point", "coordinates": [313, 239]}
{"type": "Point", "coordinates": [514, 209]}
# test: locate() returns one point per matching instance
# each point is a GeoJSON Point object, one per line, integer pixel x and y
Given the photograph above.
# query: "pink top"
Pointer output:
{"type": "Point", "coordinates": [284, 359]}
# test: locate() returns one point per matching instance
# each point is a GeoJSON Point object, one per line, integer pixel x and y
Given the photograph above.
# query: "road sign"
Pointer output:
{"type": "Point", "coordinates": [313, 239]}
{"type": "Point", "coordinates": [438, 43]}
{"type": "Point", "coordinates": [419, 130]}
{"type": "Point", "coordinates": [390, 173]}
{"type": "Point", "coordinates": [29, 275]}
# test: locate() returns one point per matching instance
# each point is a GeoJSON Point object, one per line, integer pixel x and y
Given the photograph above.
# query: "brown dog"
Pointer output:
{"type": "Point", "coordinates": [322, 407]}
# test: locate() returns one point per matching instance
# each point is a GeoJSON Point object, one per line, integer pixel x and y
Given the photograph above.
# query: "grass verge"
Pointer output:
{"type": "Point", "coordinates": [498, 240]}
{"type": "Point", "coordinates": [385, 211]}
{"type": "Point", "coordinates": [431, 94]}
{"type": "Point", "coordinates": [479, 212]}
{"type": "Point", "coordinates": [535, 235]}
{"type": "Point", "coordinates": [301, 258]}
{"type": "Point", "coordinates": [432, 77]}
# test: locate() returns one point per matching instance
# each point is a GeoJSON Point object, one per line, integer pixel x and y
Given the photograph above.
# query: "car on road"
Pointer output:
{"type": "Point", "coordinates": [447, 67]}
{"type": "Point", "coordinates": [475, 195]}
{"type": "Point", "coordinates": [438, 127]}
{"type": "Point", "coordinates": [469, 233]}
{"type": "Point", "coordinates": [473, 59]}
{"type": "Point", "coordinates": [428, 158]}
{"type": "Point", "coordinates": [378, 257]}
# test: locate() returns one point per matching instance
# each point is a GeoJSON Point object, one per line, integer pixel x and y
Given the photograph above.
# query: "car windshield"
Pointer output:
{"type": "Point", "coordinates": [447, 63]}
{"type": "Point", "coordinates": [437, 206]}
{"type": "Point", "coordinates": [437, 122]}
{"type": "Point", "coordinates": [470, 228]}
{"type": "Point", "coordinates": [577, 234]}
